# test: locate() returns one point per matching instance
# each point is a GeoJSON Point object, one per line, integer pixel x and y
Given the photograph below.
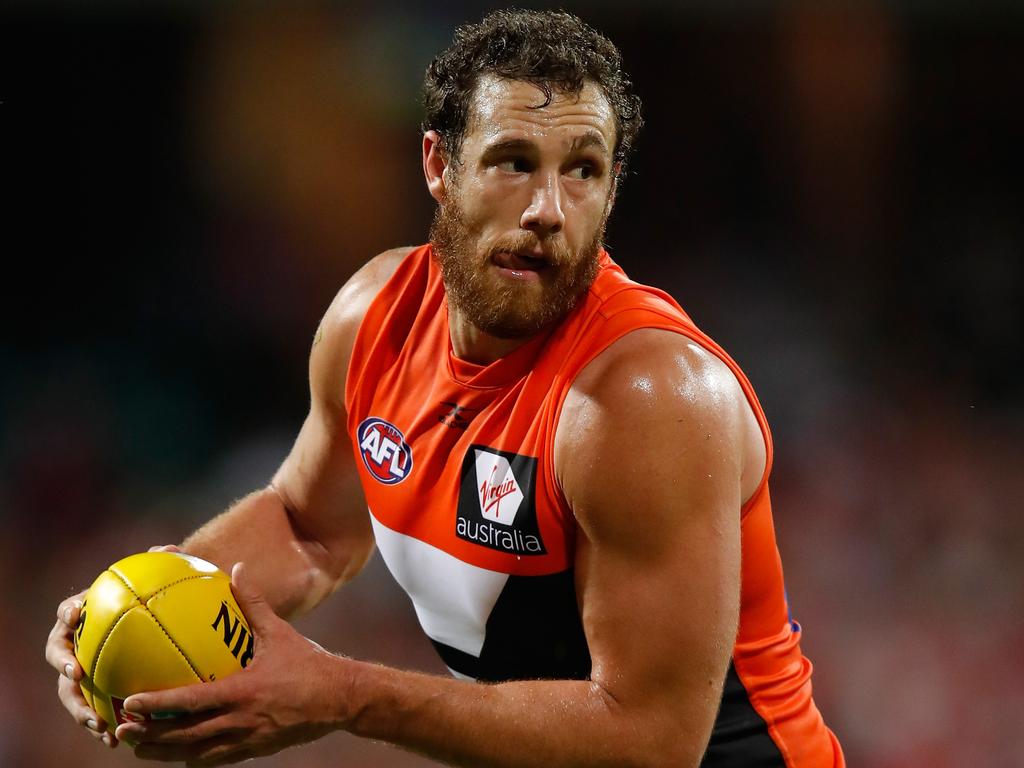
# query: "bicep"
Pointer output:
{"type": "Point", "coordinates": [319, 485]}
{"type": "Point", "coordinates": [318, 481]}
{"type": "Point", "coordinates": [652, 471]}
{"type": "Point", "coordinates": [659, 597]}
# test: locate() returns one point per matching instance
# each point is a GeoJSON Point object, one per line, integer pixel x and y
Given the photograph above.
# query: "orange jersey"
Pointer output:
{"type": "Point", "coordinates": [456, 462]}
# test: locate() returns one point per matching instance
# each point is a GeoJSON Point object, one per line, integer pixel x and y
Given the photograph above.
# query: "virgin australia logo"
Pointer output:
{"type": "Point", "coordinates": [497, 486]}
{"type": "Point", "coordinates": [497, 505]}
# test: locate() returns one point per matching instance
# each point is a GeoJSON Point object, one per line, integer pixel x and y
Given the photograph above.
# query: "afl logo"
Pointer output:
{"type": "Point", "coordinates": [385, 453]}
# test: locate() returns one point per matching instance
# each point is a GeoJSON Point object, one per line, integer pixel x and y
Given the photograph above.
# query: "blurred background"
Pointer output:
{"type": "Point", "coordinates": [832, 190]}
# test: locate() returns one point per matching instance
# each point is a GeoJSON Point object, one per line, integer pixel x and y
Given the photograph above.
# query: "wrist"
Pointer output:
{"type": "Point", "coordinates": [368, 699]}
{"type": "Point", "coordinates": [338, 683]}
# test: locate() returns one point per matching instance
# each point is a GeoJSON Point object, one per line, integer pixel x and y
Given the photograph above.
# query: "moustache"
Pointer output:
{"type": "Point", "coordinates": [552, 253]}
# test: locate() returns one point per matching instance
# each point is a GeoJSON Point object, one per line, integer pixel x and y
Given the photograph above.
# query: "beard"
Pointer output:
{"type": "Point", "coordinates": [510, 309]}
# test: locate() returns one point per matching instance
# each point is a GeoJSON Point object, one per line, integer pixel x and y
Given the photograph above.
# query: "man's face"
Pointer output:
{"type": "Point", "coordinates": [519, 228]}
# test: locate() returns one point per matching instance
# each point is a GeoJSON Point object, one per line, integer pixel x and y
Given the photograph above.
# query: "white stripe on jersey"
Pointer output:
{"type": "Point", "coordinates": [453, 599]}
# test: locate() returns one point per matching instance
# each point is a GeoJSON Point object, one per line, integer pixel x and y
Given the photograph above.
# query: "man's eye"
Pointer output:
{"type": "Point", "coordinates": [584, 171]}
{"type": "Point", "coordinates": [516, 165]}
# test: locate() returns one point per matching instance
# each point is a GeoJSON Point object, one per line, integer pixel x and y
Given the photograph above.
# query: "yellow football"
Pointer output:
{"type": "Point", "coordinates": [157, 620]}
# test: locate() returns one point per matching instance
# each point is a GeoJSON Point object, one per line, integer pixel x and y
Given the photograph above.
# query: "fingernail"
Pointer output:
{"type": "Point", "coordinates": [92, 725]}
{"type": "Point", "coordinates": [67, 615]}
{"type": "Point", "coordinates": [106, 739]}
{"type": "Point", "coordinates": [69, 671]}
{"type": "Point", "coordinates": [131, 705]}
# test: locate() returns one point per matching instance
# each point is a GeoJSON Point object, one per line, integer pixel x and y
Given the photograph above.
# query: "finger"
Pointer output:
{"type": "Point", "coordinates": [107, 738]}
{"type": "Point", "coordinates": [165, 548]}
{"type": "Point", "coordinates": [70, 695]}
{"type": "Point", "coordinates": [185, 729]}
{"type": "Point", "coordinates": [60, 653]}
{"type": "Point", "coordinates": [200, 697]}
{"type": "Point", "coordinates": [68, 610]}
{"type": "Point", "coordinates": [104, 738]}
{"type": "Point", "coordinates": [252, 602]}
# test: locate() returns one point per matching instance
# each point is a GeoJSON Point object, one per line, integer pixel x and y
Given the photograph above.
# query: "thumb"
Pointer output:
{"type": "Point", "coordinates": [254, 605]}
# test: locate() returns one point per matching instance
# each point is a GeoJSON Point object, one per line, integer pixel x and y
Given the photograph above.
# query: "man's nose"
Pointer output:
{"type": "Point", "coordinates": [545, 215]}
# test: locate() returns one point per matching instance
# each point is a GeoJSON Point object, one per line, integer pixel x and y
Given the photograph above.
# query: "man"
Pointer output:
{"type": "Point", "coordinates": [567, 477]}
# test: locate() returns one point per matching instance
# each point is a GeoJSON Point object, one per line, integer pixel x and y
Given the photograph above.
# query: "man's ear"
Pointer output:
{"type": "Point", "coordinates": [435, 162]}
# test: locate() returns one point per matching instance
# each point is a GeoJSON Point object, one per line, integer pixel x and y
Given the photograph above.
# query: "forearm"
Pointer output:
{"type": "Point", "coordinates": [515, 724]}
{"type": "Point", "coordinates": [293, 571]}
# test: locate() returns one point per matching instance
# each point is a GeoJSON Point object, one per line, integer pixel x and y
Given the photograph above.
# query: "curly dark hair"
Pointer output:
{"type": "Point", "coordinates": [553, 50]}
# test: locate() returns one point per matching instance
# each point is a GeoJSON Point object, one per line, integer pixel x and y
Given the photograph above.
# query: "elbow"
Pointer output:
{"type": "Point", "coordinates": [674, 749]}
{"type": "Point", "coordinates": [677, 754]}
{"type": "Point", "coordinates": [651, 751]}
{"type": "Point", "coordinates": [323, 571]}
{"type": "Point", "coordinates": [323, 562]}
{"type": "Point", "coordinates": [655, 736]}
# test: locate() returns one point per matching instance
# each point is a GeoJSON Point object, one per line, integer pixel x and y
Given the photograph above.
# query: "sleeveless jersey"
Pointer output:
{"type": "Point", "coordinates": [456, 463]}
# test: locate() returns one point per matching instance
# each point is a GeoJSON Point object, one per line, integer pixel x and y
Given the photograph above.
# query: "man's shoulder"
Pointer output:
{"type": "Point", "coordinates": [652, 376]}
{"type": "Point", "coordinates": [335, 337]}
{"type": "Point", "coordinates": [654, 367]}
{"type": "Point", "coordinates": [351, 302]}
{"type": "Point", "coordinates": [362, 288]}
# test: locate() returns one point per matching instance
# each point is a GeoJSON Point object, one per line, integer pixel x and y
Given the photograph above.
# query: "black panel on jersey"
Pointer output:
{"type": "Point", "coordinates": [460, 661]}
{"type": "Point", "coordinates": [534, 632]}
{"type": "Point", "coordinates": [740, 738]}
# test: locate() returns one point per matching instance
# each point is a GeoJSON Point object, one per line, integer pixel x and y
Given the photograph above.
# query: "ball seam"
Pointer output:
{"type": "Point", "coordinates": [157, 621]}
{"type": "Point", "coordinates": [163, 587]}
{"type": "Point", "coordinates": [102, 644]}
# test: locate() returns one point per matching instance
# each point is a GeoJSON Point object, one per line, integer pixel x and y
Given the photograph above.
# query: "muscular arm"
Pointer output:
{"type": "Point", "coordinates": [656, 450]}
{"type": "Point", "coordinates": [308, 531]}
{"type": "Point", "coordinates": [663, 452]}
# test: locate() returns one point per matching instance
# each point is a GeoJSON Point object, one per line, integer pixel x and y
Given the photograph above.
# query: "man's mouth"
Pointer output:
{"type": "Point", "coordinates": [518, 262]}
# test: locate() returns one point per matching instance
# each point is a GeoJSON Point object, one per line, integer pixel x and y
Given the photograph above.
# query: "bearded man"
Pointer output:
{"type": "Point", "coordinates": [567, 477]}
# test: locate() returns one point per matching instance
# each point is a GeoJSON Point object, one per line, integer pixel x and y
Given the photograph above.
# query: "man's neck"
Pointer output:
{"type": "Point", "coordinates": [471, 344]}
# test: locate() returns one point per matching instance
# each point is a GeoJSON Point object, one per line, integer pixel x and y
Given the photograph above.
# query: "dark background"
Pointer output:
{"type": "Point", "coordinates": [831, 190]}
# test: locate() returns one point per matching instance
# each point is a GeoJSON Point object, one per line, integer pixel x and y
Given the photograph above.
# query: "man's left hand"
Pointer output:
{"type": "Point", "coordinates": [284, 697]}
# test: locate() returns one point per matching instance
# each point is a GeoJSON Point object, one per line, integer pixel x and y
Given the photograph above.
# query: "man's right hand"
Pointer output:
{"type": "Point", "coordinates": [60, 653]}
